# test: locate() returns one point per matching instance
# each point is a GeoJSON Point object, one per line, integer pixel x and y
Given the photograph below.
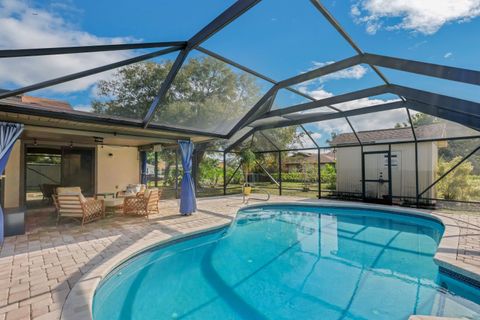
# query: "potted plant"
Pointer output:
{"type": "Point", "coordinates": [247, 161]}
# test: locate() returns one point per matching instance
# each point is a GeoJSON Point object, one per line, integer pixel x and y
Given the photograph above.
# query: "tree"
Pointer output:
{"type": "Point", "coordinates": [44, 158]}
{"type": "Point", "coordinates": [131, 90]}
{"type": "Point", "coordinates": [333, 135]}
{"type": "Point", "coordinates": [205, 95]}
{"type": "Point", "coordinates": [247, 161]}
{"type": "Point", "coordinates": [455, 147]}
{"type": "Point", "coordinates": [418, 119]}
{"type": "Point", "coordinates": [460, 184]}
{"type": "Point", "coordinates": [210, 172]}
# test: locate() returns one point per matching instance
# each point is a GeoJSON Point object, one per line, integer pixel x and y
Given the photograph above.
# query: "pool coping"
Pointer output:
{"type": "Point", "coordinates": [79, 302]}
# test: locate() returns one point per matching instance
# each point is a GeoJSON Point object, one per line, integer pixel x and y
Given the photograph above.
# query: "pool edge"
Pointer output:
{"type": "Point", "coordinates": [79, 302]}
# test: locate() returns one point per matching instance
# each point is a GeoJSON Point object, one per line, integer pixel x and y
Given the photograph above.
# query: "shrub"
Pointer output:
{"type": "Point", "coordinates": [211, 173]}
{"type": "Point", "coordinates": [460, 184]}
{"type": "Point", "coordinates": [329, 176]}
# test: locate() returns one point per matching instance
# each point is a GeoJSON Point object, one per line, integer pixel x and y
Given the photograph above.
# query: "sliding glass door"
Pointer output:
{"type": "Point", "coordinates": [78, 169]}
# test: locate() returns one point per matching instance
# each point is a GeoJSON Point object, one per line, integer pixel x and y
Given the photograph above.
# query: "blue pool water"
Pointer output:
{"type": "Point", "coordinates": [292, 262]}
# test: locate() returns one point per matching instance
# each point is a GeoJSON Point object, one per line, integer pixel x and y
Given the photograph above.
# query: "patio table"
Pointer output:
{"type": "Point", "coordinates": [113, 205]}
{"type": "Point", "coordinates": [105, 194]}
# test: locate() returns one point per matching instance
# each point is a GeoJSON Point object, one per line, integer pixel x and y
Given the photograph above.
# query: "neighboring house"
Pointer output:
{"type": "Point", "coordinates": [349, 161]}
{"type": "Point", "coordinates": [299, 161]}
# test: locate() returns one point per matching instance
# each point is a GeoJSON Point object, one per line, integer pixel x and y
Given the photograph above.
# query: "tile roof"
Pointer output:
{"type": "Point", "coordinates": [302, 157]}
{"type": "Point", "coordinates": [46, 103]}
{"type": "Point", "coordinates": [39, 102]}
{"type": "Point", "coordinates": [437, 130]}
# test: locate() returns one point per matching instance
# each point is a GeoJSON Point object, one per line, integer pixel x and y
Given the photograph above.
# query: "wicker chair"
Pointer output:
{"type": "Point", "coordinates": [143, 204]}
{"type": "Point", "coordinates": [48, 190]}
{"type": "Point", "coordinates": [55, 203]}
{"type": "Point", "coordinates": [140, 189]}
{"type": "Point", "coordinates": [72, 204]}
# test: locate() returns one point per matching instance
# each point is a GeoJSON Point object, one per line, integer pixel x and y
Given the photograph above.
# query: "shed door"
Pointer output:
{"type": "Point", "coordinates": [376, 181]}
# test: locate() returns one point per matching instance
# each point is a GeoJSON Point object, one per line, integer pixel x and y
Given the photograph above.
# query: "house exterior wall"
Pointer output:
{"type": "Point", "coordinates": [115, 172]}
{"type": "Point", "coordinates": [349, 168]}
{"type": "Point", "coordinates": [427, 158]}
{"type": "Point", "coordinates": [12, 197]}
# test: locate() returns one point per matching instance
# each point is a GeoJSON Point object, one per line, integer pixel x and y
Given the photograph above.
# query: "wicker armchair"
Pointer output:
{"type": "Point", "coordinates": [132, 190]}
{"type": "Point", "coordinates": [143, 204]}
{"type": "Point", "coordinates": [55, 203]}
{"type": "Point", "coordinates": [72, 204]}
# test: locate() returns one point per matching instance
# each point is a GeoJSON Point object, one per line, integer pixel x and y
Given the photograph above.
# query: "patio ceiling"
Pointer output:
{"type": "Point", "coordinates": [66, 129]}
{"type": "Point", "coordinates": [65, 137]}
{"type": "Point", "coordinates": [262, 115]}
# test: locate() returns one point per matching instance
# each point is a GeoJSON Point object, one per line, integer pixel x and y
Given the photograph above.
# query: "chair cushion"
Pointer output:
{"type": "Point", "coordinates": [72, 213]}
{"type": "Point", "coordinates": [129, 193]}
{"type": "Point", "coordinates": [132, 189]}
{"type": "Point", "coordinates": [71, 191]}
{"type": "Point", "coordinates": [146, 194]}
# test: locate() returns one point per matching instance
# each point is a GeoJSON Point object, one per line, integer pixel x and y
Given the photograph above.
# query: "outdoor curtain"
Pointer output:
{"type": "Point", "coordinates": [9, 133]}
{"type": "Point", "coordinates": [188, 203]}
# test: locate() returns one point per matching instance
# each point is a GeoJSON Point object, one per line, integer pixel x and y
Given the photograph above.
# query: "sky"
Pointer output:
{"type": "Point", "coordinates": [279, 38]}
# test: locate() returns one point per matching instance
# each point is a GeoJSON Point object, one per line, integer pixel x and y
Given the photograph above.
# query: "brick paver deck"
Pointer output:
{"type": "Point", "coordinates": [38, 269]}
{"type": "Point", "coordinates": [469, 242]}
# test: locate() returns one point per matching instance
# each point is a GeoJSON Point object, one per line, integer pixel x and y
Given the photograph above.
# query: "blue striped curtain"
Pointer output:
{"type": "Point", "coordinates": [188, 202]}
{"type": "Point", "coordinates": [9, 133]}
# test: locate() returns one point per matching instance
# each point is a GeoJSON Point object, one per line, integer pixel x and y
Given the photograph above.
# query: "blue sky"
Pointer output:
{"type": "Point", "coordinates": [279, 38]}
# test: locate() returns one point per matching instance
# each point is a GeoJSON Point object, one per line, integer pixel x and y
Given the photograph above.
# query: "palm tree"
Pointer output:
{"type": "Point", "coordinates": [247, 161]}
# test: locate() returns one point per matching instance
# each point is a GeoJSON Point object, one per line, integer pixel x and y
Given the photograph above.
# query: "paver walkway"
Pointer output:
{"type": "Point", "coordinates": [38, 269]}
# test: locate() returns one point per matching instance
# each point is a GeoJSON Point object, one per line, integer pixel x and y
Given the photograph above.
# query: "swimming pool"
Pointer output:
{"type": "Point", "coordinates": [292, 262]}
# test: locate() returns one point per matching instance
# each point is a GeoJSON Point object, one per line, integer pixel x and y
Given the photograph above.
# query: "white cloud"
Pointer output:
{"type": "Point", "coordinates": [306, 142]}
{"type": "Point", "coordinates": [317, 94]}
{"type": "Point", "coordinates": [355, 72]}
{"type": "Point", "coordinates": [361, 103]}
{"type": "Point", "coordinates": [336, 125]}
{"type": "Point", "coordinates": [418, 45]}
{"type": "Point", "coordinates": [315, 88]}
{"type": "Point", "coordinates": [424, 16]}
{"type": "Point", "coordinates": [381, 120]}
{"type": "Point", "coordinates": [316, 135]}
{"type": "Point", "coordinates": [447, 55]}
{"type": "Point", "coordinates": [23, 26]}
{"type": "Point", "coordinates": [83, 107]}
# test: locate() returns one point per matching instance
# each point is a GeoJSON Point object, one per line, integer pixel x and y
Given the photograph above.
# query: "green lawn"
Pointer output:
{"type": "Point", "coordinates": [288, 188]}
